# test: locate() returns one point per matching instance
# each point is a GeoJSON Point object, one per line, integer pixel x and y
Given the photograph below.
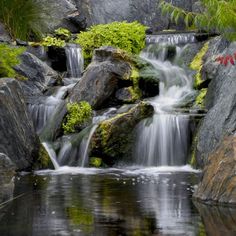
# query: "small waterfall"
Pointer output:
{"type": "Point", "coordinates": [75, 60]}
{"type": "Point", "coordinates": [164, 140]}
{"type": "Point", "coordinates": [52, 155]}
{"type": "Point", "coordinates": [84, 147]}
{"type": "Point", "coordinates": [171, 39]}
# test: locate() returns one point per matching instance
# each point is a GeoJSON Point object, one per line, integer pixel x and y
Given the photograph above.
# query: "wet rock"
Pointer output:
{"type": "Point", "coordinates": [39, 75]}
{"type": "Point", "coordinates": [18, 138]}
{"type": "Point", "coordinates": [220, 120]}
{"type": "Point", "coordinates": [113, 139]}
{"type": "Point", "coordinates": [219, 180]}
{"type": "Point", "coordinates": [146, 12]}
{"type": "Point", "coordinates": [7, 171]}
{"type": "Point", "coordinates": [101, 78]}
{"type": "Point", "coordinates": [125, 95]}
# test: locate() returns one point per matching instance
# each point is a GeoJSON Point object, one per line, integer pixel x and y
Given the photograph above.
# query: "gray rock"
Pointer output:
{"type": "Point", "coordinates": [220, 100]}
{"type": "Point", "coordinates": [100, 80]}
{"type": "Point", "coordinates": [4, 35]}
{"type": "Point", "coordinates": [17, 135]}
{"type": "Point", "coordinates": [146, 12]}
{"type": "Point", "coordinates": [39, 75]}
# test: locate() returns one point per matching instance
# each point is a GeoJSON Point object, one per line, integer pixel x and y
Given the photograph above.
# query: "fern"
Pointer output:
{"type": "Point", "coordinates": [218, 15]}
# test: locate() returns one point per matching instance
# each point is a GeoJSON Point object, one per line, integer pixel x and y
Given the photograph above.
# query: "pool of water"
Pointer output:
{"type": "Point", "coordinates": [78, 201]}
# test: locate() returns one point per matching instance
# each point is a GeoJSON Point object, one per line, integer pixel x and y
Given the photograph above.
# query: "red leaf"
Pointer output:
{"type": "Point", "coordinates": [235, 55]}
{"type": "Point", "coordinates": [220, 59]}
{"type": "Point", "coordinates": [231, 59]}
{"type": "Point", "coordinates": [226, 59]}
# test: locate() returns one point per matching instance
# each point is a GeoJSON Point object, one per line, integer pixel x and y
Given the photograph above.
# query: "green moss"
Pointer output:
{"type": "Point", "coordinates": [135, 91]}
{"type": "Point", "coordinates": [9, 57]}
{"type": "Point", "coordinates": [127, 36]}
{"type": "Point", "coordinates": [78, 114]}
{"type": "Point", "coordinates": [44, 160]}
{"type": "Point", "coordinates": [95, 162]}
{"type": "Point", "coordinates": [201, 97]}
{"type": "Point", "coordinates": [196, 64]}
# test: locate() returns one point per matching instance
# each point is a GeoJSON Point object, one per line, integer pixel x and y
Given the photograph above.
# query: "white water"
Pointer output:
{"type": "Point", "coordinates": [75, 60]}
{"type": "Point", "coordinates": [52, 155]}
{"type": "Point", "coordinates": [165, 140]}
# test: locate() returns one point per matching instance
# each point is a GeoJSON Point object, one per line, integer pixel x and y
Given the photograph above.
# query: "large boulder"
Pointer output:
{"type": "Point", "coordinates": [7, 171]}
{"type": "Point", "coordinates": [4, 35]}
{"type": "Point", "coordinates": [18, 138]}
{"type": "Point", "coordinates": [101, 78]}
{"type": "Point", "coordinates": [220, 120]}
{"type": "Point", "coordinates": [38, 74]}
{"type": "Point", "coordinates": [114, 138]}
{"type": "Point", "coordinates": [146, 12]}
{"type": "Point", "coordinates": [219, 180]}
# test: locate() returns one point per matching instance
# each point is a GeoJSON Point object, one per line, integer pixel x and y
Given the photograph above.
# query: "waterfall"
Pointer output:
{"type": "Point", "coordinates": [75, 60]}
{"type": "Point", "coordinates": [52, 155]}
{"type": "Point", "coordinates": [164, 139]}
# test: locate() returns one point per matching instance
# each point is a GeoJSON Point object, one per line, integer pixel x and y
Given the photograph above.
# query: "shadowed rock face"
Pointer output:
{"type": "Point", "coordinates": [146, 12]}
{"type": "Point", "coordinates": [219, 179]}
{"type": "Point", "coordinates": [18, 138]}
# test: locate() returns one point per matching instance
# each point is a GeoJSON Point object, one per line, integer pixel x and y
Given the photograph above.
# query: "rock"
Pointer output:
{"type": "Point", "coordinates": [219, 180]}
{"type": "Point", "coordinates": [101, 78]}
{"type": "Point", "coordinates": [80, 22]}
{"type": "Point", "coordinates": [62, 9]}
{"type": "Point", "coordinates": [7, 171]}
{"type": "Point", "coordinates": [4, 35]}
{"type": "Point", "coordinates": [146, 12]}
{"type": "Point", "coordinates": [18, 138]}
{"type": "Point", "coordinates": [220, 120]}
{"type": "Point", "coordinates": [113, 139]}
{"type": "Point", "coordinates": [39, 75]}
{"type": "Point", "coordinates": [125, 95]}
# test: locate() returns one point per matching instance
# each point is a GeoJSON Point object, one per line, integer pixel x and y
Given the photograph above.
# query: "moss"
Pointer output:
{"type": "Point", "coordinates": [44, 161]}
{"type": "Point", "coordinates": [95, 162]}
{"type": "Point", "coordinates": [197, 63]}
{"type": "Point", "coordinates": [135, 91]}
{"type": "Point", "coordinates": [78, 114]}
{"type": "Point", "coordinates": [201, 97]}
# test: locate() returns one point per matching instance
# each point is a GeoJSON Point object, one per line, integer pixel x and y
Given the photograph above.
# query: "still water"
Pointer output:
{"type": "Point", "coordinates": [80, 201]}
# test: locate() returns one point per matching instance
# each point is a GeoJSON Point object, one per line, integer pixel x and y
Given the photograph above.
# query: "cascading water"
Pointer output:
{"type": "Point", "coordinates": [75, 60]}
{"type": "Point", "coordinates": [164, 140]}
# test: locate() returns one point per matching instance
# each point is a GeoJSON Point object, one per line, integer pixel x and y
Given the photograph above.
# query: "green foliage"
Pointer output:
{"type": "Point", "coordinates": [63, 33]}
{"type": "Point", "coordinates": [78, 114]}
{"type": "Point", "coordinates": [53, 41]}
{"type": "Point", "coordinates": [44, 160]}
{"type": "Point", "coordinates": [9, 59]}
{"type": "Point", "coordinates": [95, 162]}
{"type": "Point", "coordinates": [24, 19]}
{"type": "Point", "coordinates": [196, 64]}
{"type": "Point", "coordinates": [200, 98]}
{"type": "Point", "coordinates": [127, 36]}
{"type": "Point", "coordinates": [217, 16]}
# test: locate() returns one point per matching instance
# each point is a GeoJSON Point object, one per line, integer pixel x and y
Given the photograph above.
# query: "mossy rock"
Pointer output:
{"type": "Point", "coordinates": [43, 161]}
{"type": "Point", "coordinates": [114, 139]}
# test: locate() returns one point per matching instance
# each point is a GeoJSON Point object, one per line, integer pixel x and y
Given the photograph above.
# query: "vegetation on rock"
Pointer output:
{"type": "Point", "coordinates": [44, 161]}
{"type": "Point", "coordinates": [197, 63]}
{"type": "Point", "coordinates": [24, 19]}
{"type": "Point", "coordinates": [63, 33]}
{"type": "Point", "coordinates": [127, 36]}
{"type": "Point", "coordinates": [95, 162]}
{"type": "Point", "coordinates": [9, 59]}
{"type": "Point", "coordinates": [200, 98]}
{"type": "Point", "coordinates": [217, 16]}
{"type": "Point", "coordinates": [53, 41]}
{"type": "Point", "coordinates": [78, 114]}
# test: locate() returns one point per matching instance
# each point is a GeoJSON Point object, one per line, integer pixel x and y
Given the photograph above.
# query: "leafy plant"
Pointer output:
{"type": "Point", "coordinates": [127, 36]}
{"type": "Point", "coordinates": [9, 59]}
{"type": "Point", "coordinates": [53, 41]}
{"type": "Point", "coordinates": [78, 114]}
{"type": "Point", "coordinates": [24, 19]}
{"type": "Point", "coordinates": [217, 16]}
{"type": "Point", "coordinates": [63, 33]}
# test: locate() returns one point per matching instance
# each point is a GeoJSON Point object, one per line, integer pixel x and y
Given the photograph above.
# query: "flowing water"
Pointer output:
{"type": "Point", "coordinates": [152, 197]}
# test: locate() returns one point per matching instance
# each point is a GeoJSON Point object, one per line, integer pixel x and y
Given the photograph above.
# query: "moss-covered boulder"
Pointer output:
{"type": "Point", "coordinates": [113, 139]}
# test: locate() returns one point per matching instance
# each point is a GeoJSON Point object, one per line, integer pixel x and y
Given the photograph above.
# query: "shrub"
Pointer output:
{"type": "Point", "coordinates": [78, 114]}
{"type": "Point", "coordinates": [24, 19]}
{"type": "Point", "coordinates": [127, 36]}
{"type": "Point", "coordinates": [217, 15]}
{"type": "Point", "coordinates": [53, 41]}
{"type": "Point", "coordinates": [63, 33]}
{"type": "Point", "coordinates": [9, 59]}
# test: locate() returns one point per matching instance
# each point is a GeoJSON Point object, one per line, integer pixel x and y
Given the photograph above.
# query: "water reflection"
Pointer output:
{"type": "Point", "coordinates": [103, 204]}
